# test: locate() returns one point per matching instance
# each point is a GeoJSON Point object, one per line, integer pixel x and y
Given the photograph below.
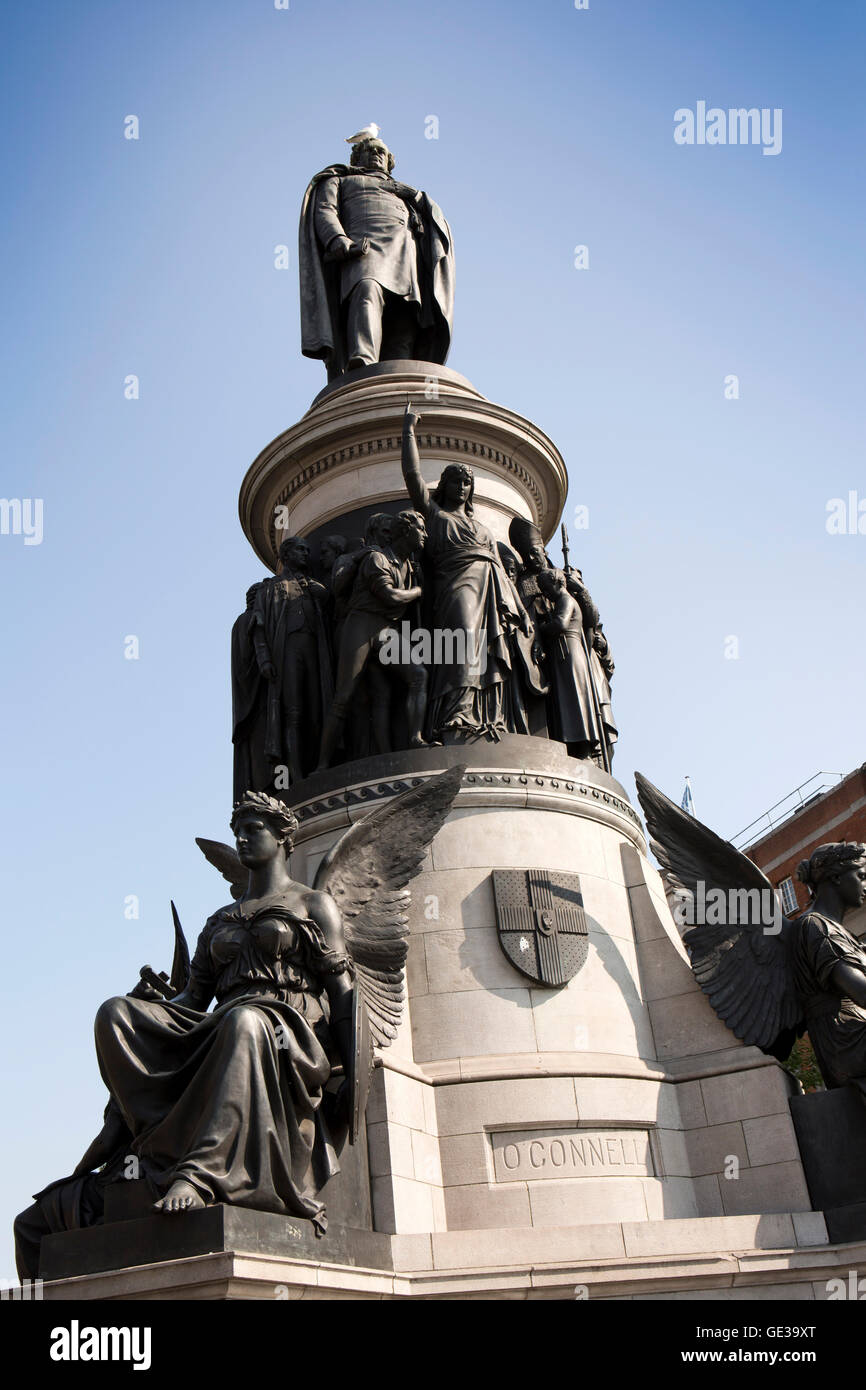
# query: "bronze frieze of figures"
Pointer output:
{"type": "Point", "coordinates": [426, 630]}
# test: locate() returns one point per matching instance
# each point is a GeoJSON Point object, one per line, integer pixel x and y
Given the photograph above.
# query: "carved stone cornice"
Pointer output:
{"type": "Point", "coordinates": [448, 446]}
{"type": "Point", "coordinates": [516, 789]}
{"type": "Point", "coordinates": [356, 426]}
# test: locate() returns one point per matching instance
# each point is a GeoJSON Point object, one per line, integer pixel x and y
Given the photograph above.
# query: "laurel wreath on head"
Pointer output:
{"type": "Point", "coordinates": [260, 803]}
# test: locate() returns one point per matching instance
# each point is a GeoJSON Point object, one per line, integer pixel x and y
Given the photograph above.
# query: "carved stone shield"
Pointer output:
{"type": "Point", "coordinates": [541, 923]}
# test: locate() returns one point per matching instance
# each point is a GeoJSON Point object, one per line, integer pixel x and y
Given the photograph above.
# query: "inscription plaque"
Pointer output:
{"type": "Point", "coordinates": [542, 1154]}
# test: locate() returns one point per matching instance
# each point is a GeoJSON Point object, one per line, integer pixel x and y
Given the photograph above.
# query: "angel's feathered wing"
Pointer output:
{"type": "Point", "coordinates": [366, 872]}
{"type": "Point", "coordinates": [744, 969]}
{"type": "Point", "coordinates": [224, 858]}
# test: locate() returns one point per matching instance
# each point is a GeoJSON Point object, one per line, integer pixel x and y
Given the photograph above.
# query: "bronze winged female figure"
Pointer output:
{"type": "Point", "coordinates": [770, 979]}
{"type": "Point", "coordinates": [243, 1103]}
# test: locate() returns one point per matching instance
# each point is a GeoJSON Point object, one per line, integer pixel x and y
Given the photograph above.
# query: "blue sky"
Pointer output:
{"type": "Point", "coordinates": [156, 257]}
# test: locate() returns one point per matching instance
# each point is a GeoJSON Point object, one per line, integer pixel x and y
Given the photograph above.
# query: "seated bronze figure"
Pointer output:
{"type": "Point", "coordinates": [249, 1103]}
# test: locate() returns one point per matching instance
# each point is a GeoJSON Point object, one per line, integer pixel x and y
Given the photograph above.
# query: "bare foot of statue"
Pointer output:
{"type": "Point", "coordinates": [418, 742]}
{"type": "Point", "coordinates": [181, 1196]}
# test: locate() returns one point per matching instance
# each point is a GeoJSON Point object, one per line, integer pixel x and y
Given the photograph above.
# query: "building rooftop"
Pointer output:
{"type": "Point", "coordinates": [807, 794]}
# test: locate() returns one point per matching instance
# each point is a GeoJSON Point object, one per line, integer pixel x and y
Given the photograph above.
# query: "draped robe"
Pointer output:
{"type": "Point", "coordinates": [471, 592]}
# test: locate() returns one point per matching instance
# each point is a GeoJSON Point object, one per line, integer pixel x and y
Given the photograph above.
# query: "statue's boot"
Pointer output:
{"type": "Point", "coordinates": [331, 734]}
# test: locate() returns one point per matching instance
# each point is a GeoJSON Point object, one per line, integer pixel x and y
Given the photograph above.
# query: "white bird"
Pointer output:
{"type": "Point", "coordinates": [367, 132]}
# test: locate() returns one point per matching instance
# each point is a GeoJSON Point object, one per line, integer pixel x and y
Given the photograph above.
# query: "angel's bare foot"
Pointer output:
{"type": "Point", "coordinates": [181, 1196]}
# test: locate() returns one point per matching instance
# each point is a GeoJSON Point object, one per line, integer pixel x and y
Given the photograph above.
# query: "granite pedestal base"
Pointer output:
{"type": "Point", "coordinates": [507, 1103]}
{"type": "Point", "coordinates": [223, 1254]}
{"type": "Point", "coordinates": [523, 1139]}
{"type": "Point", "coordinates": [158, 1240]}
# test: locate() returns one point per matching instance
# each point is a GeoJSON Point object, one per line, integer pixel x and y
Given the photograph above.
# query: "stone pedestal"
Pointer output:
{"type": "Point", "coordinates": [608, 1133]}
{"type": "Point", "coordinates": [618, 1097]}
{"type": "Point", "coordinates": [342, 460]}
{"type": "Point", "coordinates": [227, 1254]}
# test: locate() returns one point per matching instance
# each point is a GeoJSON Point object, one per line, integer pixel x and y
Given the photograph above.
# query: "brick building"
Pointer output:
{"type": "Point", "coordinates": [827, 807]}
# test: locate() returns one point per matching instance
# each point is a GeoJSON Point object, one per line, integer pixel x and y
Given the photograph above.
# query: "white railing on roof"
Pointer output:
{"type": "Point", "coordinates": [790, 805]}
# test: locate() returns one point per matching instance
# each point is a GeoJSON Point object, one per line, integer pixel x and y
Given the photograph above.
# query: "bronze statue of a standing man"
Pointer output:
{"type": "Point", "coordinates": [376, 266]}
{"type": "Point", "coordinates": [386, 586]}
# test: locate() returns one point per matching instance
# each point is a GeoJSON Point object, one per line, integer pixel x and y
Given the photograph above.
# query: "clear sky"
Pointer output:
{"type": "Point", "coordinates": [155, 257]}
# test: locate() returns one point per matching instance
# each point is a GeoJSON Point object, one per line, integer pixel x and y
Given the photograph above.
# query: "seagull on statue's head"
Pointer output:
{"type": "Point", "coordinates": [367, 132]}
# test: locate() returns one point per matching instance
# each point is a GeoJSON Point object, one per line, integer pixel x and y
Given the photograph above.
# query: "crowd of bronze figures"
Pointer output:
{"type": "Point", "coordinates": [425, 630]}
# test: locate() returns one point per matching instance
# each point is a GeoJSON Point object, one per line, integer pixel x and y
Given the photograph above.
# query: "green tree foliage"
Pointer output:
{"type": "Point", "coordinates": [802, 1064]}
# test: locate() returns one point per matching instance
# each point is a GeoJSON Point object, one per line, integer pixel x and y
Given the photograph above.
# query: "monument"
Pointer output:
{"type": "Point", "coordinates": [459, 1048]}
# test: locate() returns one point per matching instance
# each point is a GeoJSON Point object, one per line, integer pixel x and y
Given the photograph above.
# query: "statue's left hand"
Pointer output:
{"type": "Point", "coordinates": [142, 990]}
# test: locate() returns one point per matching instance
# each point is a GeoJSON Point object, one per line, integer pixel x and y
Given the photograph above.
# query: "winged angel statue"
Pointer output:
{"type": "Point", "coordinates": [248, 1103]}
{"type": "Point", "coordinates": [769, 978]}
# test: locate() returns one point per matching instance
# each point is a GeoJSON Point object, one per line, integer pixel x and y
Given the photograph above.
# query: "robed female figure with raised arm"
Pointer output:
{"type": "Point", "coordinates": [474, 608]}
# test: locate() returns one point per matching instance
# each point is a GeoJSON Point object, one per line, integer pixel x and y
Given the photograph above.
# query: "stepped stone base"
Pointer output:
{"type": "Point", "coordinates": [831, 1134]}
{"type": "Point", "coordinates": [227, 1254]}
